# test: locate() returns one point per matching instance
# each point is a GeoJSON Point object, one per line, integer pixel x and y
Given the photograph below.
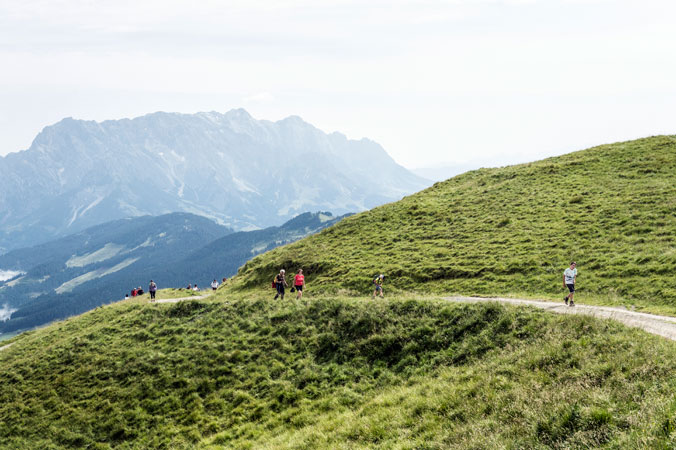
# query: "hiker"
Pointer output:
{"type": "Point", "coordinates": [214, 285]}
{"type": "Point", "coordinates": [378, 283]}
{"type": "Point", "coordinates": [195, 288]}
{"type": "Point", "coordinates": [299, 283]}
{"type": "Point", "coordinates": [152, 288]}
{"type": "Point", "coordinates": [280, 282]}
{"type": "Point", "coordinates": [224, 280]}
{"type": "Point", "coordinates": [134, 292]}
{"type": "Point", "coordinates": [569, 276]}
{"type": "Point", "coordinates": [189, 287]}
{"type": "Point", "coordinates": [139, 290]}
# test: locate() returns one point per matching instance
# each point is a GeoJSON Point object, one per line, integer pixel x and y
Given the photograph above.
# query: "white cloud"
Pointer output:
{"type": "Point", "coordinates": [6, 313]}
{"type": "Point", "coordinates": [261, 97]}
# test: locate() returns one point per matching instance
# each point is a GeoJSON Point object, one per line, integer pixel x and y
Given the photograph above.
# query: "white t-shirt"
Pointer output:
{"type": "Point", "coordinates": [570, 275]}
{"type": "Point", "coordinates": [214, 284]}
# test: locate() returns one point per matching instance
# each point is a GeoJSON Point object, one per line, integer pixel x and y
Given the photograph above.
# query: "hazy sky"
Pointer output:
{"type": "Point", "coordinates": [466, 82]}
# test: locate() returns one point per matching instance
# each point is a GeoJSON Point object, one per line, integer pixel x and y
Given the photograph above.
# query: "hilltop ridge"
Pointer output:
{"type": "Point", "coordinates": [512, 230]}
{"type": "Point", "coordinates": [244, 372]}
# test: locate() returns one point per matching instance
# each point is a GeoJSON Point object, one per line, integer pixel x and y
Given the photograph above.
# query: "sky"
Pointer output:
{"type": "Point", "coordinates": [458, 83]}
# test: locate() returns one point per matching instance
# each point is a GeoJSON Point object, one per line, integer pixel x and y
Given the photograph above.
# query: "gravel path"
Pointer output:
{"type": "Point", "coordinates": [660, 325]}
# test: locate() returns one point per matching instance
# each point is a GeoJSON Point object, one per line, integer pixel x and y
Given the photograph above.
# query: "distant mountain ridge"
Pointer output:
{"type": "Point", "coordinates": [242, 172]}
{"type": "Point", "coordinates": [76, 273]}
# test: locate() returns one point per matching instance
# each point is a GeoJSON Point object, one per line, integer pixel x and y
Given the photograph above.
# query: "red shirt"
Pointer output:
{"type": "Point", "coordinates": [299, 280]}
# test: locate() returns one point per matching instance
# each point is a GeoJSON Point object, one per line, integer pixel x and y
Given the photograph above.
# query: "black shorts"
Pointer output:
{"type": "Point", "coordinates": [571, 288]}
{"type": "Point", "coordinates": [299, 287]}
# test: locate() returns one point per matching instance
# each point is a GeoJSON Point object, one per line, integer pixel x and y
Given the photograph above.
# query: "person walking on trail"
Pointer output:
{"type": "Point", "coordinates": [152, 288]}
{"type": "Point", "coordinates": [378, 283]}
{"type": "Point", "coordinates": [569, 276]}
{"type": "Point", "coordinates": [214, 285]}
{"type": "Point", "coordinates": [280, 283]}
{"type": "Point", "coordinates": [299, 283]}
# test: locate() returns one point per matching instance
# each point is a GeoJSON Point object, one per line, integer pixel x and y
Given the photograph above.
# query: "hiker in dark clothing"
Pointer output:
{"type": "Point", "coordinates": [152, 288]}
{"type": "Point", "coordinates": [280, 283]}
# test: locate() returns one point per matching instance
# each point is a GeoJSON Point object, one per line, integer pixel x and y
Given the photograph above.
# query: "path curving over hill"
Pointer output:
{"type": "Point", "coordinates": [659, 325]}
{"type": "Point", "coordinates": [664, 326]}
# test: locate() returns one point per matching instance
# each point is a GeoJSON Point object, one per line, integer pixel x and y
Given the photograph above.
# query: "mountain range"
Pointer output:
{"type": "Point", "coordinates": [242, 172]}
{"type": "Point", "coordinates": [73, 274]}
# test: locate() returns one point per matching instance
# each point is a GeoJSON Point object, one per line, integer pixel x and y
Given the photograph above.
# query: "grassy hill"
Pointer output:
{"type": "Point", "coordinates": [335, 373]}
{"type": "Point", "coordinates": [238, 370]}
{"type": "Point", "coordinates": [512, 231]}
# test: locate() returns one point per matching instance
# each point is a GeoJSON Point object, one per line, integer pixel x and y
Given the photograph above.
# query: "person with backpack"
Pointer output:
{"type": "Point", "coordinates": [569, 276]}
{"type": "Point", "coordinates": [152, 288]}
{"type": "Point", "coordinates": [280, 283]}
{"type": "Point", "coordinates": [378, 283]}
{"type": "Point", "coordinates": [299, 283]}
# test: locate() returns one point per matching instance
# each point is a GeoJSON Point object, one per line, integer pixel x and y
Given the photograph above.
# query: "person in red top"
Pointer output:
{"type": "Point", "coordinates": [299, 283]}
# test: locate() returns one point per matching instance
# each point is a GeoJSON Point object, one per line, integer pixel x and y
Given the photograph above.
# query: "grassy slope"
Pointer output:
{"type": "Point", "coordinates": [239, 371]}
{"type": "Point", "coordinates": [512, 231]}
{"type": "Point", "coordinates": [335, 373]}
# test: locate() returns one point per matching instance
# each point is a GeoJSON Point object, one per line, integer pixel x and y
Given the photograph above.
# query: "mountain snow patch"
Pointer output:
{"type": "Point", "coordinates": [108, 251]}
{"type": "Point", "coordinates": [79, 212]}
{"type": "Point", "coordinates": [9, 274]}
{"type": "Point", "coordinates": [243, 186]}
{"type": "Point", "coordinates": [99, 273]}
{"type": "Point", "coordinates": [147, 243]}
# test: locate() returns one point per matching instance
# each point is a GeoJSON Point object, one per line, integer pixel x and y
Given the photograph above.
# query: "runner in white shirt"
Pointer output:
{"type": "Point", "coordinates": [569, 276]}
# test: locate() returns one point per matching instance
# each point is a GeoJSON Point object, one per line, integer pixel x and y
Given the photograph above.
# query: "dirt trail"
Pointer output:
{"type": "Point", "coordinates": [660, 325]}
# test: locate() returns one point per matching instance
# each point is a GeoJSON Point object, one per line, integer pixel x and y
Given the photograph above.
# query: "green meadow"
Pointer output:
{"type": "Point", "coordinates": [332, 372]}
{"type": "Point", "coordinates": [511, 232]}
{"type": "Point", "coordinates": [339, 370]}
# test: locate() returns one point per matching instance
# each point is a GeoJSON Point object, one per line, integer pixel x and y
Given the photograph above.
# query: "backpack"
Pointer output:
{"type": "Point", "coordinates": [274, 285]}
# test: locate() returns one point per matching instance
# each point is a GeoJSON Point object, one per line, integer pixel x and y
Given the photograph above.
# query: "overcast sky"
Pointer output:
{"type": "Point", "coordinates": [458, 82]}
